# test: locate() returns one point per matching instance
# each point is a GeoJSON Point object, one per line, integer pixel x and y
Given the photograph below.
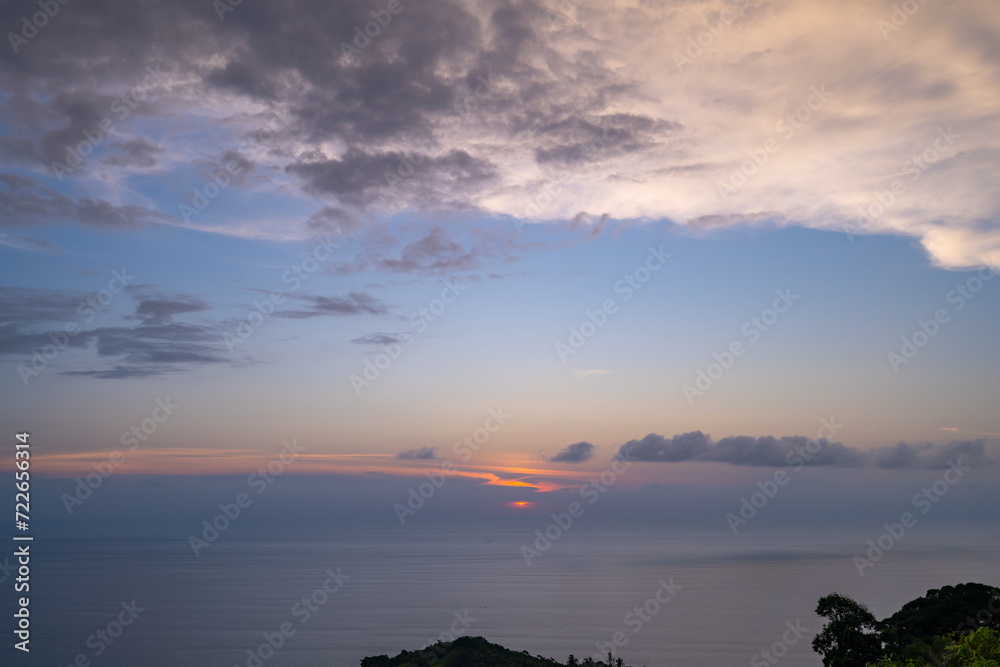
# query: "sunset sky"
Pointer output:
{"type": "Point", "coordinates": [522, 225]}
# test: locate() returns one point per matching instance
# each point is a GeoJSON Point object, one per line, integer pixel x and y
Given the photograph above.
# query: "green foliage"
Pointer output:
{"type": "Point", "coordinates": [940, 612]}
{"type": "Point", "coordinates": [916, 662]}
{"type": "Point", "coordinates": [977, 649]}
{"type": "Point", "coordinates": [953, 626]}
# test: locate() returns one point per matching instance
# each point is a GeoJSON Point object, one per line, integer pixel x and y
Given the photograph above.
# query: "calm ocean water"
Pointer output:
{"type": "Point", "coordinates": [735, 595]}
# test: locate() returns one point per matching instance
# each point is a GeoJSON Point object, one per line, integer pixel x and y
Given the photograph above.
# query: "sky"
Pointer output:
{"type": "Point", "coordinates": [505, 242]}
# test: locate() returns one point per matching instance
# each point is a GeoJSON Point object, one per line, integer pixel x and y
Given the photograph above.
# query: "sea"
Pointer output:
{"type": "Point", "coordinates": [676, 597]}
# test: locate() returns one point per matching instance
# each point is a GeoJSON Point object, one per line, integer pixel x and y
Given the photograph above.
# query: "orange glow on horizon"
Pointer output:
{"type": "Point", "coordinates": [212, 461]}
{"type": "Point", "coordinates": [529, 480]}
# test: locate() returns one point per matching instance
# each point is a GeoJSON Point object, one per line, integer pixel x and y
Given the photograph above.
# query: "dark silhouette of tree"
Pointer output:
{"type": "Point", "coordinates": [980, 648]}
{"type": "Point", "coordinates": [850, 638]}
{"type": "Point", "coordinates": [933, 629]}
{"type": "Point", "coordinates": [468, 651]}
{"type": "Point", "coordinates": [963, 608]}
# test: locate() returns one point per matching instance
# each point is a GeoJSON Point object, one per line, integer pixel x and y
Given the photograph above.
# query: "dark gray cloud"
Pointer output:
{"type": "Point", "coordinates": [355, 303]}
{"type": "Point", "coordinates": [333, 220]}
{"type": "Point", "coordinates": [135, 153]}
{"type": "Point", "coordinates": [238, 168]}
{"type": "Point", "coordinates": [151, 349]}
{"type": "Point", "coordinates": [578, 452]}
{"type": "Point", "coordinates": [394, 109]}
{"type": "Point", "coordinates": [287, 51]}
{"type": "Point", "coordinates": [433, 253]}
{"type": "Point", "coordinates": [359, 178]}
{"type": "Point", "coordinates": [654, 447]}
{"type": "Point", "coordinates": [359, 106]}
{"type": "Point", "coordinates": [438, 251]}
{"type": "Point", "coordinates": [574, 139]}
{"type": "Point", "coordinates": [24, 202]}
{"type": "Point", "coordinates": [777, 452]}
{"type": "Point", "coordinates": [243, 79]}
{"type": "Point", "coordinates": [15, 340]}
{"type": "Point", "coordinates": [26, 306]}
{"type": "Point", "coordinates": [33, 318]}
{"type": "Point", "coordinates": [159, 344]}
{"type": "Point", "coordinates": [420, 453]}
{"type": "Point", "coordinates": [380, 339]}
{"type": "Point", "coordinates": [927, 455]}
{"type": "Point", "coordinates": [161, 310]}
{"type": "Point", "coordinates": [100, 213]}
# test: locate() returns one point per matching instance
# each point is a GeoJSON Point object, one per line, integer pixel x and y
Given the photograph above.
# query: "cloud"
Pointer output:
{"type": "Point", "coordinates": [153, 348]}
{"type": "Point", "coordinates": [380, 338]}
{"type": "Point", "coordinates": [358, 178]}
{"type": "Point", "coordinates": [162, 310]}
{"type": "Point", "coordinates": [355, 303]}
{"type": "Point", "coordinates": [28, 243]}
{"type": "Point", "coordinates": [150, 351]}
{"type": "Point", "coordinates": [927, 455]}
{"type": "Point", "coordinates": [333, 220]}
{"type": "Point", "coordinates": [421, 453]}
{"type": "Point", "coordinates": [137, 153]}
{"type": "Point", "coordinates": [578, 139]}
{"type": "Point", "coordinates": [491, 107]}
{"type": "Point", "coordinates": [27, 306]}
{"type": "Point", "coordinates": [578, 452]}
{"type": "Point", "coordinates": [238, 167]}
{"type": "Point", "coordinates": [591, 372]}
{"type": "Point", "coordinates": [685, 447]}
{"type": "Point", "coordinates": [157, 346]}
{"type": "Point", "coordinates": [794, 450]}
{"type": "Point", "coordinates": [433, 251]}
{"type": "Point", "coordinates": [24, 202]}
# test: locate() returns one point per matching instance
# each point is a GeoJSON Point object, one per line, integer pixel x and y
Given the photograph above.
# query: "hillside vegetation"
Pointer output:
{"type": "Point", "coordinates": [476, 652]}
{"type": "Point", "coordinates": [952, 626]}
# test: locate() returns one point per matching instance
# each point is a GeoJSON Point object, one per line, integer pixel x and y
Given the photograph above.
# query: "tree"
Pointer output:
{"type": "Point", "coordinates": [850, 638]}
{"type": "Point", "coordinates": [980, 648]}
{"type": "Point", "coordinates": [962, 608]}
{"type": "Point", "coordinates": [977, 649]}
